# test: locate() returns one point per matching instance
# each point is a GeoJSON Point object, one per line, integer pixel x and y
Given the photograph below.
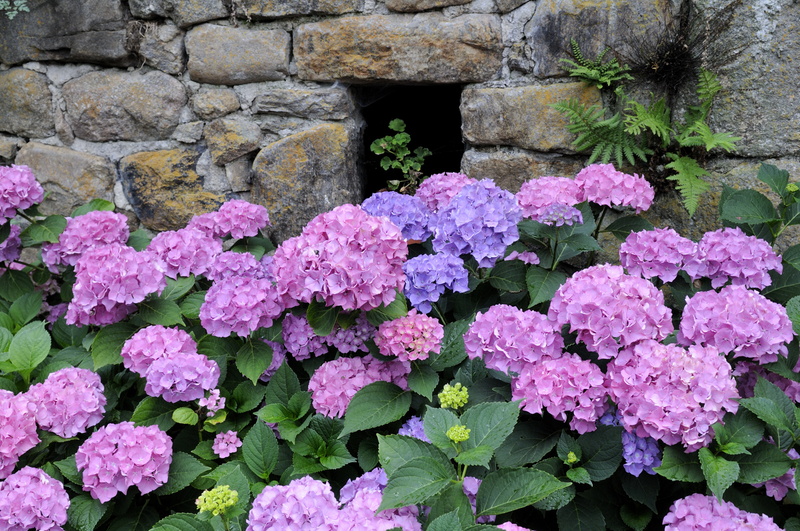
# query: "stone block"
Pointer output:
{"type": "Point", "coordinates": [215, 103]}
{"type": "Point", "coordinates": [184, 13]}
{"type": "Point", "coordinates": [159, 45]}
{"type": "Point", "coordinates": [9, 146]}
{"type": "Point", "coordinates": [224, 55]}
{"type": "Point", "coordinates": [71, 177]}
{"type": "Point", "coordinates": [189, 133]}
{"type": "Point", "coordinates": [306, 174]}
{"type": "Point", "coordinates": [164, 189]}
{"type": "Point", "coordinates": [26, 107]}
{"type": "Point", "coordinates": [230, 138]}
{"type": "Point", "coordinates": [522, 116]}
{"type": "Point", "coordinates": [413, 6]}
{"type": "Point", "coordinates": [424, 48]}
{"type": "Point", "coordinates": [110, 105]}
{"type": "Point", "coordinates": [267, 9]}
{"type": "Point", "coordinates": [238, 174]}
{"type": "Point", "coordinates": [509, 5]}
{"type": "Point", "coordinates": [509, 169]}
{"type": "Point", "coordinates": [322, 104]}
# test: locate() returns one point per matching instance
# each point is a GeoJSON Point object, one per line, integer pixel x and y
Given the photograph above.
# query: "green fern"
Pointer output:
{"type": "Point", "coordinates": [700, 134]}
{"type": "Point", "coordinates": [595, 72]}
{"type": "Point", "coordinates": [654, 118]}
{"type": "Point", "coordinates": [688, 180]}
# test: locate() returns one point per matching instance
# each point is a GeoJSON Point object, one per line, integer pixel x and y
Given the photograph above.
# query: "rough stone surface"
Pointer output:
{"type": "Point", "coordinates": [412, 6]}
{"type": "Point", "coordinates": [70, 177]}
{"type": "Point", "coordinates": [509, 5]}
{"type": "Point", "coordinates": [323, 104]}
{"type": "Point", "coordinates": [403, 48]}
{"type": "Point", "coordinates": [189, 133]}
{"type": "Point", "coordinates": [306, 174]}
{"type": "Point", "coordinates": [230, 138]}
{"type": "Point", "coordinates": [509, 169]}
{"type": "Point", "coordinates": [521, 116]}
{"type": "Point", "coordinates": [232, 56]}
{"type": "Point", "coordinates": [238, 174]}
{"type": "Point", "coordinates": [164, 189]}
{"type": "Point", "coordinates": [9, 146]}
{"type": "Point", "coordinates": [26, 105]}
{"type": "Point", "coordinates": [109, 105]}
{"type": "Point", "coordinates": [183, 12]}
{"type": "Point", "coordinates": [215, 103]}
{"type": "Point", "coordinates": [266, 9]}
{"type": "Point", "coordinates": [160, 45]}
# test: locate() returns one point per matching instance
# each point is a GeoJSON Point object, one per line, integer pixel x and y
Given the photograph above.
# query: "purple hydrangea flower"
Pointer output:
{"type": "Point", "coordinates": [470, 486]}
{"type": "Point", "coordinates": [361, 498]}
{"type": "Point", "coordinates": [181, 377]}
{"type": "Point", "coordinates": [508, 526]}
{"type": "Point", "coordinates": [610, 310]}
{"type": "Point", "coordinates": [408, 212]}
{"type": "Point", "coordinates": [560, 214]}
{"type": "Point", "coordinates": [730, 254]}
{"type": "Point", "coordinates": [305, 503]}
{"type": "Point", "coordinates": [737, 320]}
{"type": "Point", "coordinates": [604, 185]}
{"type": "Point", "coordinates": [778, 488]}
{"type": "Point", "coordinates": [31, 499]}
{"type": "Point", "coordinates": [11, 247]}
{"type": "Point", "coordinates": [233, 264]}
{"type": "Point", "coordinates": [345, 258]}
{"type": "Point", "coordinates": [69, 401]}
{"type": "Point", "coordinates": [278, 357]}
{"type": "Point", "coordinates": [697, 512]}
{"type": "Point", "coordinates": [656, 253]}
{"type": "Point", "coordinates": [413, 427]}
{"type": "Point", "coordinates": [226, 443]}
{"type": "Point", "coordinates": [536, 195]}
{"type": "Point", "coordinates": [185, 252]}
{"type": "Point", "coordinates": [428, 275]}
{"type": "Point", "coordinates": [240, 305]}
{"type": "Point", "coordinates": [353, 338]}
{"type": "Point", "coordinates": [641, 454]}
{"type": "Point", "coordinates": [409, 338]}
{"type": "Point", "coordinates": [82, 233]}
{"type": "Point", "coordinates": [528, 257]}
{"type": "Point", "coordinates": [300, 339]}
{"type": "Point", "coordinates": [18, 434]}
{"type": "Point", "coordinates": [213, 402]}
{"type": "Point", "coordinates": [481, 221]}
{"type": "Point", "coordinates": [18, 190]}
{"type": "Point", "coordinates": [152, 343]}
{"type": "Point", "coordinates": [747, 374]}
{"type": "Point", "coordinates": [119, 456]}
{"type": "Point", "coordinates": [375, 479]}
{"type": "Point", "coordinates": [439, 189]}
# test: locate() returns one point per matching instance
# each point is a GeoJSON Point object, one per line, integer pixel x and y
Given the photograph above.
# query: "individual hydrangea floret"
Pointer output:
{"type": "Point", "coordinates": [152, 343]}
{"type": "Point", "coordinates": [528, 257]}
{"type": "Point", "coordinates": [698, 512]}
{"type": "Point", "coordinates": [240, 305]}
{"type": "Point", "coordinates": [185, 252]}
{"type": "Point", "coordinates": [335, 382]}
{"type": "Point", "coordinates": [18, 419]}
{"type": "Point", "coordinates": [408, 212]}
{"type": "Point", "coordinates": [508, 339]}
{"type": "Point", "coordinates": [360, 499]}
{"type": "Point", "coordinates": [119, 456]}
{"type": "Point", "coordinates": [439, 189]}
{"type": "Point", "coordinates": [453, 396]}
{"type": "Point", "coordinates": [213, 402]}
{"type": "Point", "coordinates": [18, 190]}
{"type": "Point", "coordinates": [560, 214]}
{"type": "Point", "coordinates": [353, 338]}
{"type": "Point", "coordinates": [92, 229]}
{"type": "Point", "coordinates": [238, 219]}
{"type": "Point", "coordinates": [217, 500]}
{"type": "Point", "coordinates": [604, 185]}
{"type": "Point", "coordinates": [480, 221]}
{"type": "Point", "coordinates": [411, 337]}
{"type": "Point", "coordinates": [299, 338]}
{"type": "Point", "coordinates": [11, 247]}
{"type": "Point", "coordinates": [429, 275]}
{"type": "Point", "coordinates": [345, 258]}
{"type": "Point", "coordinates": [567, 384]}
{"type": "Point", "coordinates": [414, 427]}
{"type": "Point", "coordinates": [656, 253]}
{"type": "Point", "coordinates": [69, 401]}
{"type": "Point", "coordinates": [739, 321]}
{"type": "Point", "coordinates": [730, 254]}
{"type": "Point", "coordinates": [181, 377]}
{"type": "Point", "coordinates": [305, 503]}
{"type": "Point", "coordinates": [610, 310]}
{"type": "Point", "coordinates": [233, 264]}
{"type": "Point", "coordinates": [536, 195]}
{"type": "Point", "coordinates": [226, 443]}
{"type": "Point", "coordinates": [672, 394]}
{"type": "Point", "coordinates": [31, 499]}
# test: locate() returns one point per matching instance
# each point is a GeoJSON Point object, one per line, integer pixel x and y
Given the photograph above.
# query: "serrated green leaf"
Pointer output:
{"type": "Point", "coordinates": [507, 490]}
{"type": "Point", "coordinates": [416, 481]}
{"type": "Point", "coordinates": [625, 225]}
{"type": "Point", "coordinates": [772, 406]}
{"type": "Point", "coordinates": [542, 284]}
{"type": "Point", "coordinates": [190, 306]}
{"type": "Point", "coordinates": [718, 471]}
{"type": "Point", "coordinates": [679, 466]}
{"type": "Point", "coordinates": [742, 429]}
{"type": "Point", "coordinates": [108, 343]}
{"type": "Point", "coordinates": [508, 276]}
{"type": "Point", "coordinates": [246, 397]}
{"type": "Point", "coordinates": [177, 288]}
{"type": "Point", "coordinates": [29, 347]}
{"type": "Point", "coordinates": [374, 405]}
{"type": "Point", "coordinates": [396, 309]}
{"type": "Point", "coordinates": [46, 230]}
{"type": "Point", "coordinates": [476, 456]}
{"type": "Point", "coordinates": [68, 335]}
{"type": "Point", "coordinates": [153, 410]}
{"type": "Point", "coordinates": [70, 470]}
{"type": "Point", "coordinates": [643, 489]}
{"type": "Point", "coordinates": [793, 311]}
{"type": "Point", "coordinates": [748, 206]}
{"type": "Point", "coordinates": [773, 177]}
{"type": "Point", "coordinates": [253, 358]}
{"type": "Point", "coordinates": [160, 312]}
{"type": "Point", "coordinates": [185, 415]}
{"type": "Point", "coordinates": [436, 422]}
{"type": "Point", "coordinates": [282, 386]}
{"type": "Point", "coordinates": [396, 450]}
{"type": "Point", "coordinates": [260, 450]}
{"type": "Point", "coordinates": [784, 286]}
{"type": "Point", "coordinates": [490, 423]}
{"type": "Point", "coordinates": [579, 475]}
{"type": "Point", "coordinates": [764, 462]}
{"type": "Point", "coordinates": [528, 443]}
{"type": "Point", "coordinates": [182, 471]}
{"type": "Point", "coordinates": [321, 318]}
{"type": "Point", "coordinates": [581, 514]}
{"type": "Point", "coordinates": [26, 308]}
{"type": "Point", "coordinates": [452, 352]}
{"type": "Point", "coordinates": [92, 206]}
{"type": "Point", "coordinates": [602, 451]}
{"type": "Point", "coordinates": [85, 512]}
{"type": "Point", "coordinates": [182, 522]}
{"type": "Point", "coordinates": [446, 522]}
{"type": "Point", "coordinates": [423, 380]}
{"type": "Point", "coordinates": [14, 284]}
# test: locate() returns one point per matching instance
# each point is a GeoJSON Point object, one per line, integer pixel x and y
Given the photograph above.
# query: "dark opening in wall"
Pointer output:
{"type": "Point", "coordinates": [432, 118]}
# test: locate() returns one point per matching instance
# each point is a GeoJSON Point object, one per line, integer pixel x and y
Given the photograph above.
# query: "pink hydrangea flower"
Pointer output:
{"type": "Point", "coordinates": [656, 253]}
{"type": "Point", "coordinates": [412, 337]}
{"type": "Point", "coordinates": [344, 258]}
{"type": "Point", "coordinates": [508, 339]}
{"type": "Point", "coordinates": [604, 185]}
{"type": "Point", "coordinates": [69, 401]}
{"type": "Point", "coordinates": [470, 486]}
{"type": "Point", "coordinates": [238, 218]}
{"type": "Point", "coordinates": [181, 377]}
{"type": "Point", "coordinates": [672, 394]}
{"type": "Point", "coordinates": [92, 229]}
{"type": "Point", "coordinates": [528, 257]}
{"type": "Point", "coordinates": [335, 382]}
{"type": "Point", "coordinates": [508, 526]}
{"type": "Point", "coordinates": [739, 321]}
{"type": "Point", "coordinates": [697, 512]}
{"type": "Point", "coordinates": [213, 402]}
{"type": "Point", "coordinates": [152, 343]}
{"type": "Point", "coordinates": [567, 384]}
{"type": "Point", "coordinates": [278, 357]}
{"type": "Point", "coordinates": [536, 195]}
{"type": "Point", "coordinates": [185, 252]}
{"type": "Point", "coordinates": [240, 305]}
{"type": "Point", "coordinates": [11, 247]}
{"type": "Point", "coordinates": [31, 499]}
{"type": "Point", "coordinates": [226, 443]}
{"type": "Point", "coordinates": [233, 264]}
{"type": "Point", "coordinates": [408, 212]}
{"type": "Point", "coordinates": [437, 190]}
{"type": "Point", "coordinates": [729, 254]}
{"type": "Point", "coordinates": [18, 190]}
{"type": "Point", "coordinates": [299, 338]}
{"type": "Point", "coordinates": [119, 456]}
{"type": "Point", "coordinates": [304, 503]}
{"type": "Point", "coordinates": [360, 499]}
{"type": "Point", "coordinates": [610, 310]}
{"type": "Point", "coordinates": [17, 429]}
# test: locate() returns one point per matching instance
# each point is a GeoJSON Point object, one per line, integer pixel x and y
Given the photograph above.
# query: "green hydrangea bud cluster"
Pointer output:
{"type": "Point", "coordinates": [458, 433]}
{"type": "Point", "coordinates": [571, 458]}
{"type": "Point", "coordinates": [217, 500]}
{"type": "Point", "coordinates": [453, 396]}
{"type": "Point", "coordinates": [791, 187]}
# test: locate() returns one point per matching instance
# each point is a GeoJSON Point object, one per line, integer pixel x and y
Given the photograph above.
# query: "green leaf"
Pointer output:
{"type": "Point", "coordinates": [509, 489]}
{"type": "Point", "coordinates": [508, 276]}
{"type": "Point", "coordinates": [423, 380]}
{"type": "Point", "coordinates": [108, 343]}
{"type": "Point", "coordinates": [70, 470]}
{"type": "Point", "coordinates": [741, 428]}
{"type": "Point", "coordinates": [322, 318]}
{"type": "Point", "coordinates": [396, 450]}
{"type": "Point", "coordinates": [396, 309]}
{"type": "Point", "coordinates": [625, 225]}
{"type": "Point", "coordinates": [46, 230]}
{"type": "Point", "coordinates": [602, 451]}
{"type": "Point", "coordinates": [452, 352]}
{"type": "Point", "coordinates": [793, 310]}
{"type": "Point", "coordinates": [784, 285]}
{"type": "Point", "coordinates": [452, 500]}
{"type": "Point", "coordinates": [177, 288]}
{"type": "Point", "coordinates": [182, 471]}
{"type": "Point", "coordinates": [772, 406]}
{"type": "Point", "coordinates": [85, 512]}
{"type": "Point", "coordinates": [679, 466]}
{"type": "Point", "coordinates": [643, 489]}
{"type": "Point", "coordinates": [246, 397]}
{"type": "Point", "coordinates": [490, 423]}
{"type": "Point", "coordinates": [153, 410]}
{"type": "Point", "coordinates": [581, 514]}
{"type": "Point", "coordinates": [260, 450]}
{"type": "Point", "coordinates": [376, 404]}
{"type": "Point", "coordinates": [528, 443]}
{"type": "Point", "coordinates": [579, 475]}
{"type": "Point", "coordinates": [718, 471]}
{"type": "Point", "coordinates": [688, 175]}
{"type": "Point", "coordinates": [748, 206]}
{"type": "Point", "coordinates": [791, 215]}
{"type": "Point", "coordinates": [436, 422]}
{"type": "Point", "coordinates": [282, 386]}
{"type": "Point", "coordinates": [190, 306]}
{"type": "Point", "coordinates": [91, 206]}
{"type": "Point", "coordinates": [14, 284]}
{"type": "Point", "coordinates": [185, 415]}
{"type": "Point", "coordinates": [253, 358]}
{"type": "Point", "coordinates": [68, 335]}
{"type": "Point", "coordinates": [26, 307]}
{"type": "Point", "coordinates": [139, 239]}
{"type": "Point", "coordinates": [765, 461]}
{"type": "Point", "coordinates": [446, 522]}
{"type": "Point", "coordinates": [29, 347]}
{"type": "Point", "coordinates": [416, 481]}
{"type": "Point", "coordinates": [477, 456]}
{"type": "Point", "coordinates": [542, 284]}
{"type": "Point", "coordinates": [182, 522]}
{"type": "Point", "coordinates": [774, 178]}
{"type": "Point", "coordinates": [160, 312]}
{"type": "Point", "coordinates": [635, 516]}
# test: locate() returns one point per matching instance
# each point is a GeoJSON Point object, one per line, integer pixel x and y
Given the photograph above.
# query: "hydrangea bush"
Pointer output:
{"type": "Point", "coordinates": [452, 360]}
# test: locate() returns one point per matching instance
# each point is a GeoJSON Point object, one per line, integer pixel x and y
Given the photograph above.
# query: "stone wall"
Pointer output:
{"type": "Point", "coordinates": [168, 107]}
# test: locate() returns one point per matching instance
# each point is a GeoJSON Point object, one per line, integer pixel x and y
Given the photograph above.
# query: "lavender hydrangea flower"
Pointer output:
{"type": "Point", "coordinates": [18, 419]}
{"type": "Point", "coordinates": [729, 254]}
{"type": "Point", "coordinates": [412, 337]}
{"type": "Point", "coordinates": [213, 402]}
{"type": "Point", "coordinates": [299, 338]}
{"type": "Point", "coordinates": [408, 212]}
{"type": "Point", "coordinates": [181, 377]}
{"type": "Point", "coordinates": [641, 454]}
{"type": "Point", "coordinates": [69, 401]}
{"type": "Point", "coordinates": [439, 189]}
{"type": "Point", "coordinates": [353, 338]}
{"type": "Point", "coordinates": [226, 443]}
{"type": "Point", "coordinates": [11, 247]}
{"type": "Point", "coordinates": [604, 185]}
{"type": "Point", "coordinates": [536, 195]}
{"type": "Point", "coordinates": [747, 374]}
{"type": "Point", "coordinates": [240, 305]}
{"type": "Point", "coordinates": [470, 486]}
{"type": "Point", "coordinates": [31, 499]}
{"type": "Point", "coordinates": [233, 264]}
{"type": "Point", "coordinates": [119, 456]}
{"type": "Point", "coordinates": [739, 321]}
{"type": "Point", "coordinates": [152, 343]}
{"type": "Point", "coordinates": [656, 253]}
{"type": "Point", "coordinates": [278, 357]}
{"type": "Point", "coordinates": [305, 503]}
{"type": "Point", "coordinates": [697, 512]}
{"type": "Point", "coordinates": [481, 221]}
{"type": "Point", "coordinates": [560, 214]}
{"type": "Point", "coordinates": [428, 275]}
{"type": "Point", "coordinates": [360, 499]}
{"type": "Point", "coordinates": [413, 427]}
{"type": "Point", "coordinates": [18, 190]}
{"type": "Point", "coordinates": [82, 233]}
{"type": "Point", "coordinates": [375, 479]}
{"type": "Point", "coordinates": [528, 257]}
{"type": "Point", "coordinates": [185, 252]}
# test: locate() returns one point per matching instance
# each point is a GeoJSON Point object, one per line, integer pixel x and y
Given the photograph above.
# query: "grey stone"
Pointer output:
{"type": "Point", "coordinates": [215, 180]}
{"type": "Point", "coordinates": [267, 9]}
{"type": "Point", "coordinates": [509, 169]}
{"type": "Point", "coordinates": [238, 174]}
{"type": "Point", "coordinates": [402, 48]}
{"type": "Point", "coordinates": [215, 103]}
{"type": "Point", "coordinates": [230, 138]}
{"type": "Point", "coordinates": [159, 45]}
{"type": "Point", "coordinates": [413, 6]}
{"type": "Point", "coordinates": [189, 133]}
{"type": "Point", "coordinates": [183, 12]}
{"type": "Point", "coordinates": [26, 107]}
{"type": "Point", "coordinates": [509, 5]}
{"type": "Point", "coordinates": [232, 56]}
{"type": "Point", "coordinates": [104, 106]}
{"type": "Point", "coordinates": [324, 104]}
{"type": "Point", "coordinates": [9, 146]}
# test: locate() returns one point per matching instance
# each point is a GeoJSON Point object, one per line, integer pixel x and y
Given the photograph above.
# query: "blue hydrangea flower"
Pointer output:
{"type": "Point", "coordinates": [558, 214]}
{"type": "Point", "coordinates": [428, 275]}
{"type": "Point", "coordinates": [408, 212]}
{"type": "Point", "coordinates": [641, 454]}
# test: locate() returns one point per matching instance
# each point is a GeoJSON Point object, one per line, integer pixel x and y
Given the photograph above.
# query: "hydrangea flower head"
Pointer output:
{"type": "Point", "coordinates": [360, 499]}
{"type": "Point", "coordinates": [213, 402]}
{"type": "Point", "coordinates": [226, 443]}
{"type": "Point", "coordinates": [31, 499]}
{"type": "Point", "coordinates": [508, 526]}
{"type": "Point", "coordinates": [299, 338]}
{"type": "Point", "coordinates": [408, 212]}
{"type": "Point", "coordinates": [18, 190]}
{"type": "Point", "coordinates": [185, 252]}
{"type": "Point", "coordinates": [414, 427]}
{"type": "Point", "coordinates": [375, 479]}
{"type": "Point", "coordinates": [119, 456]}
{"type": "Point", "coordinates": [440, 188]}
{"type": "Point", "coordinates": [305, 503]}
{"type": "Point", "coordinates": [238, 218]}
{"type": "Point", "coordinates": [604, 185]}
{"type": "Point", "coordinates": [69, 401]}
{"type": "Point", "coordinates": [481, 221]}
{"type": "Point", "coordinates": [610, 310]}
{"type": "Point", "coordinates": [152, 343]}
{"type": "Point", "coordinates": [181, 377]}
{"type": "Point", "coordinates": [730, 254]}
{"type": "Point", "coordinates": [353, 338]}
{"type": "Point", "coordinates": [83, 232]}
{"type": "Point", "coordinates": [697, 512]}
{"type": "Point", "coordinates": [217, 500]}
{"type": "Point", "coordinates": [536, 195]}
{"type": "Point", "coordinates": [641, 454]}
{"type": "Point", "coordinates": [428, 275]}
{"type": "Point", "coordinates": [458, 433]}
{"type": "Point", "coordinates": [233, 264]}
{"type": "Point", "coordinates": [240, 305]}
{"type": "Point", "coordinates": [345, 258]}
{"type": "Point", "coordinates": [656, 253]}
{"type": "Point", "coordinates": [18, 434]}
{"type": "Point", "coordinates": [559, 214]}
{"type": "Point", "coordinates": [412, 337]}
{"type": "Point", "coordinates": [11, 247]}
{"type": "Point", "coordinates": [453, 396]}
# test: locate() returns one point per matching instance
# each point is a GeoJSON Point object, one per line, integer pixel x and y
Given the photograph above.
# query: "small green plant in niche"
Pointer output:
{"type": "Point", "coordinates": [397, 155]}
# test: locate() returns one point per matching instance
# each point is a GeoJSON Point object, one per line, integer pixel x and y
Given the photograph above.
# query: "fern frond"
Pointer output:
{"type": "Point", "coordinates": [700, 134]}
{"type": "Point", "coordinates": [654, 118]}
{"type": "Point", "coordinates": [688, 175]}
{"type": "Point", "coordinates": [707, 85]}
{"type": "Point", "coordinates": [595, 72]}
